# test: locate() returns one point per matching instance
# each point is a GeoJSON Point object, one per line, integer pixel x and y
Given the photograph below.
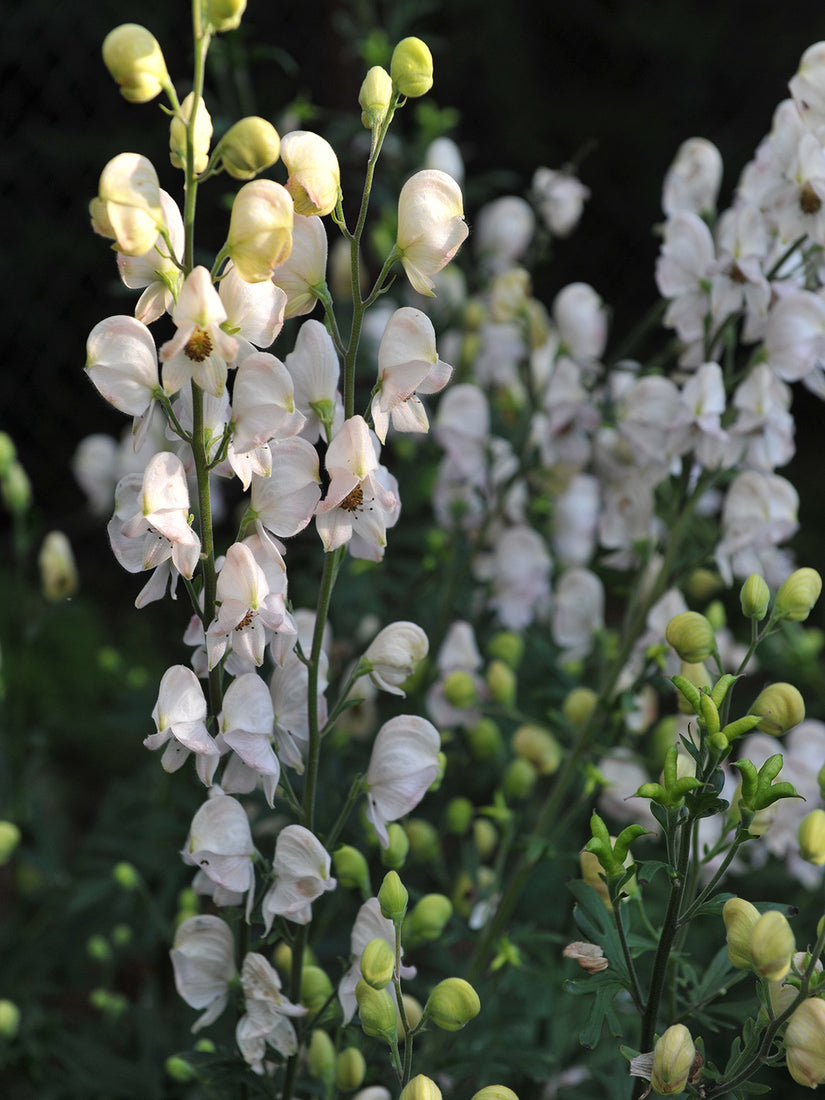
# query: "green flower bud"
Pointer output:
{"type": "Point", "coordinates": [484, 739]}
{"type": "Point", "coordinates": [539, 747]}
{"type": "Point", "coordinates": [8, 453]}
{"type": "Point", "coordinates": [494, 1092]}
{"type": "Point", "coordinates": [798, 595]}
{"type": "Point", "coordinates": [411, 67]}
{"type": "Point", "coordinates": [58, 571]}
{"type": "Point", "coordinates": [179, 1069]}
{"type": "Point", "coordinates": [519, 779]}
{"type": "Point", "coordinates": [805, 1043]}
{"type": "Point", "coordinates": [811, 836]}
{"type": "Point", "coordinates": [9, 1019]}
{"type": "Point", "coordinates": [375, 97]}
{"type": "Point", "coordinates": [321, 1056]}
{"type": "Point", "coordinates": [122, 935]}
{"type": "Point", "coordinates": [377, 963]}
{"type": "Point", "coordinates": [781, 707]}
{"type": "Point", "coordinates": [351, 869]}
{"type": "Point", "coordinates": [739, 917]}
{"type": "Point", "coordinates": [772, 945]}
{"type": "Point", "coordinates": [507, 646]}
{"type": "Point", "coordinates": [673, 1057]}
{"type": "Point", "coordinates": [425, 842]}
{"type": "Point", "coordinates": [459, 689]}
{"type": "Point", "coordinates": [485, 836]}
{"type": "Point", "coordinates": [201, 137]}
{"type": "Point", "coordinates": [97, 947]}
{"type": "Point", "coordinates": [458, 815]}
{"type": "Point", "coordinates": [502, 682]}
{"type": "Point", "coordinates": [248, 147]}
{"type": "Point", "coordinates": [579, 705]}
{"type": "Point", "coordinates": [421, 1088]}
{"type": "Point", "coordinates": [316, 989]}
{"type": "Point", "coordinates": [755, 597]}
{"type": "Point", "coordinates": [224, 15]}
{"type": "Point", "coordinates": [350, 1069]}
{"type": "Point", "coordinates": [395, 854]}
{"type": "Point", "coordinates": [452, 1004]}
{"type": "Point", "coordinates": [691, 635]}
{"type": "Point", "coordinates": [820, 778]}
{"type": "Point", "coordinates": [428, 919]}
{"type": "Point", "coordinates": [393, 897]}
{"type": "Point", "coordinates": [135, 60]}
{"type": "Point", "coordinates": [377, 1010]}
{"type": "Point", "coordinates": [16, 489]}
{"type": "Point", "coordinates": [9, 839]}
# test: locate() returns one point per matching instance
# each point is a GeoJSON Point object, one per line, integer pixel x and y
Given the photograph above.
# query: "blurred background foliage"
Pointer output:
{"type": "Point", "coordinates": [613, 84]}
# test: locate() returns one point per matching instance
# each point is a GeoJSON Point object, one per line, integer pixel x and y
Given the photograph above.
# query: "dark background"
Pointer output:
{"type": "Point", "coordinates": [533, 83]}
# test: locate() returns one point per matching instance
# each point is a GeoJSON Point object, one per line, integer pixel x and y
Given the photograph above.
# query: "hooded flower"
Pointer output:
{"type": "Point", "coordinates": [180, 719]}
{"type": "Point", "coordinates": [403, 764]}
{"type": "Point", "coordinates": [301, 867]}
{"type": "Point", "coordinates": [431, 226]}
{"type": "Point", "coordinates": [203, 958]}
{"type": "Point", "coordinates": [200, 349]}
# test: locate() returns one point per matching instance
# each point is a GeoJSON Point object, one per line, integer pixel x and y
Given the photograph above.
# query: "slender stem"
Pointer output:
{"type": "Point", "coordinates": [635, 988]}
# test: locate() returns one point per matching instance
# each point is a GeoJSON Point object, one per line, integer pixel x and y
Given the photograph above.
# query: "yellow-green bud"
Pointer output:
{"type": "Point", "coordinates": [820, 778]}
{"type": "Point", "coordinates": [452, 1004]}
{"type": "Point", "coordinates": [201, 137]}
{"type": "Point", "coordinates": [224, 15]}
{"type": "Point", "coordinates": [772, 945]}
{"type": "Point", "coordinates": [16, 489]}
{"type": "Point", "coordinates": [425, 843]}
{"type": "Point", "coordinates": [502, 682]}
{"type": "Point", "coordinates": [539, 747]}
{"type": "Point", "coordinates": [421, 1088]}
{"type": "Point", "coordinates": [282, 957]}
{"type": "Point", "coordinates": [413, 1011]}
{"type": "Point", "coordinates": [179, 1069]}
{"type": "Point", "coordinates": [411, 67]}
{"type": "Point", "coordinates": [8, 453]}
{"type": "Point", "coordinates": [781, 707]}
{"type": "Point", "coordinates": [592, 874]}
{"type": "Point", "coordinates": [507, 646]}
{"type": "Point", "coordinates": [691, 635]}
{"type": "Point", "coordinates": [377, 963]}
{"type": "Point", "coordinates": [494, 1092]}
{"type": "Point", "coordinates": [484, 739]}
{"type": "Point", "coordinates": [485, 836]}
{"type": "Point", "coordinates": [316, 989]}
{"type": "Point", "coordinates": [458, 815]}
{"type": "Point", "coordinates": [350, 1069]}
{"type": "Point", "coordinates": [395, 854]}
{"type": "Point", "coordinates": [519, 779]}
{"type": "Point", "coordinates": [805, 1043]}
{"type": "Point", "coordinates": [9, 839]}
{"type": "Point", "coordinates": [321, 1056]}
{"type": "Point", "coordinates": [579, 705]}
{"type": "Point", "coordinates": [351, 869]}
{"type": "Point", "coordinates": [740, 918]}
{"type": "Point", "coordinates": [376, 1007]}
{"type": "Point", "coordinates": [697, 675]}
{"type": "Point", "coordinates": [248, 147]}
{"type": "Point", "coordinates": [97, 947]}
{"type": "Point", "coordinates": [755, 597]}
{"type": "Point", "coordinates": [459, 689]}
{"type": "Point", "coordinates": [135, 60]}
{"type": "Point", "coordinates": [798, 595]}
{"type": "Point", "coordinates": [428, 919]}
{"type": "Point", "coordinates": [58, 572]}
{"type": "Point", "coordinates": [393, 897]}
{"type": "Point", "coordinates": [673, 1057]}
{"type": "Point", "coordinates": [9, 1019]}
{"type": "Point", "coordinates": [812, 837]}
{"type": "Point", "coordinates": [375, 97]}
{"type": "Point", "coordinates": [702, 583]}
{"type": "Point", "coordinates": [122, 934]}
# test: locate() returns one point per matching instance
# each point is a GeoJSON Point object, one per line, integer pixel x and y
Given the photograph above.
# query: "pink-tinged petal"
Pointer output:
{"type": "Point", "coordinates": [305, 267]}
{"type": "Point", "coordinates": [409, 335]}
{"type": "Point", "coordinates": [255, 311]}
{"type": "Point", "coordinates": [198, 303]}
{"type": "Point", "coordinates": [334, 528]}
{"type": "Point", "coordinates": [352, 449]}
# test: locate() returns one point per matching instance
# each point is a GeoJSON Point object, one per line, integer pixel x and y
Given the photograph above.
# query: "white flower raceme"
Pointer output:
{"type": "Point", "coordinates": [431, 226]}
{"type": "Point", "coordinates": [203, 959]}
{"type": "Point", "coordinates": [180, 719]}
{"type": "Point", "coordinates": [403, 764]}
{"type": "Point", "coordinates": [302, 874]}
{"type": "Point", "coordinates": [304, 270]}
{"type": "Point", "coordinates": [200, 349]}
{"type": "Point", "coordinates": [370, 924]}
{"type": "Point", "coordinates": [394, 654]}
{"type": "Point", "coordinates": [128, 207]}
{"type": "Point", "coordinates": [246, 725]}
{"type": "Point", "coordinates": [220, 846]}
{"type": "Point", "coordinates": [407, 363]}
{"type": "Point", "coordinates": [266, 1019]}
{"type": "Point", "coordinates": [156, 270]}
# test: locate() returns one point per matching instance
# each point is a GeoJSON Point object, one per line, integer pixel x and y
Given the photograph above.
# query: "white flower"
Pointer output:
{"type": "Point", "coordinates": [200, 349]}
{"type": "Point", "coordinates": [560, 197]}
{"type": "Point", "coordinates": [156, 270]}
{"type": "Point", "coordinates": [246, 726]}
{"type": "Point", "coordinates": [302, 874]}
{"type": "Point", "coordinates": [122, 362]}
{"type": "Point", "coordinates": [220, 846]}
{"type": "Point", "coordinates": [369, 925]}
{"type": "Point", "coordinates": [180, 719]}
{"type": "Point", "coordinates": [407, 362]}
{"type": "Point", "coordinates": [503, 231]}
{"type": "Point", "coordinates": [431, 226]}
{"type": "Point", "coordinates": [394, 654]}
{"type": "Point", "coordinates": [692, 182]}
{"type": "Point", "coordinates": [403, 764]}
{"type": "Point", "coordinates": [203, 958]}
{"type": "Point", "coordinates": [266, 1019]}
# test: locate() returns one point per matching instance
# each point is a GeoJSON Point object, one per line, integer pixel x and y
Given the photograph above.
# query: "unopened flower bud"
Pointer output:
{"type": "Point", "coordinates": [375, 97]}
{"type": "Point", "coordinates": [772, 945]}
{"type": "Point", "coordinates": [502, 682]}
{"type": "Point", "coordinates": [460, 689]}
{"type": "Point", "coordinates": [224, 15]}
{"type": "Point", "coordinates": [321, 1056]}
{"type": "Point", "coordinates": [314, 175]}
{"type": "Point", "coordinates": [316, 989]}
{"type": "Point", "coordinates": [248, 147]}
{"type": "Point", "coordinates": [458, 815]}
{"type": "Point", "coordinates": [97, 948]}
{"type": "Point", "coordinates": [8, 453]}
{"type": "Point", "coordinates": [425, 843]}
{"type": "Point", "coordinates": [394, 654]}
{"type": "Point", "coordinates": [351, 869]}
{"type": "Point", "coordinates": [260, 229]}
{"type": "Point", "coordinates": [393, 897]}
{"type": "Point", "coordinates": [697, 675]}
{"type": "Point", "coordinates": [428, 919]}
{"type": "Point", "coordinates": [179, 1069]}
{"type": "Point", "coordinates": [9, 839]}
{"type": "Point", "coordinates": [593, 875]}
{"type": "Point", "coordinates": [798, 594]}
{"type": "Point", "coordinates": [539, 747]}
{"type": "Point", "coordinates": [578, 706]}
{"type": "Point", "coordinates": [519, 779]}
{"type": "Point", "coordinates": [691, 635]}
{"type": "Point", "coordinates": [781, 707]}
{"type": "Point", "coordinates": [201, 136]}
{"type": "Point", "coordinates": [376, 1007]}
{"type": "Point", "coordinates": [9, 1019]}
{"type": "Point", "coordinates": [754, 597]}
{"type": "Point", "coordinates": [421, 1088]}
{"type": "Point", "coordinates": [452, 1004]}
{"type": "Point", "coordinates": [58, 572]}
{"type": "Point", "coordinates": [484, 739]}
{"type": "Point", "coordinates": [135, 60]}
{"type": "Point", "coordinates": [16, 489]}
{"type": "Point", "coordinates": [411, 67]}
{"type": "Point", "coordinates": [126, 875]}
{"type": "Point", "coordinates": [673, 1057]}
{"type": "Point", "coordinates": [350, 1069]}
{"type": "Point", "coordinates": [739, 917]}
{"type": "Point", "coordinates": [377, 963]}
{"type": "Point", "coordinates": [395, 854]}
{"type": "Point", "coordinates": [127, 208]}
{"type": "Point", "coordinates": [485, 836]}
{"type": "Point", "coordinates": [811, 836]}
{"type": "Point", "coordinates": [805, 1043]}
{"type": "Point", "coordinates": [494, 1092]}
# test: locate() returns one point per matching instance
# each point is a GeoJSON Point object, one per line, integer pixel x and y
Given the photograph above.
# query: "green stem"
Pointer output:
{"type": "Point", "coordinates": [635, 988]}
